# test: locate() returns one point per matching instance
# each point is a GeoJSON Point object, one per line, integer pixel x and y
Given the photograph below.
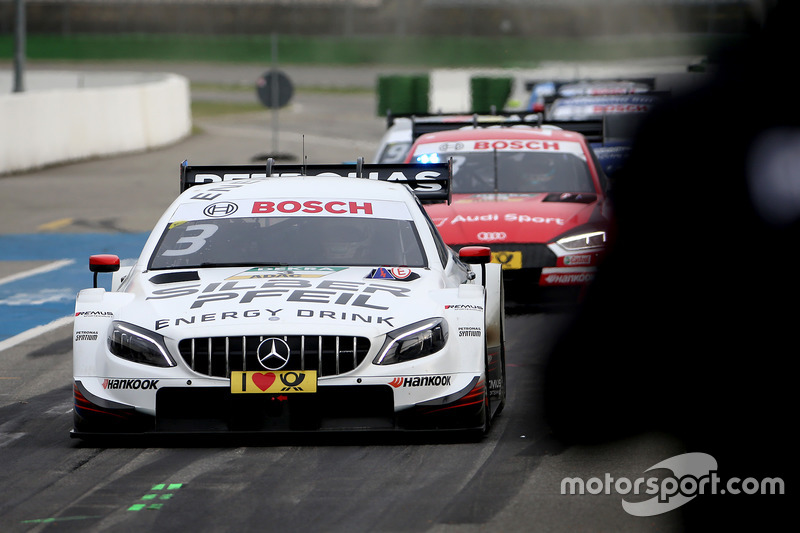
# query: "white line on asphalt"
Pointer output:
{"type": "Point", "coordinates": [34, 271]}
{"type": "Point", "coordinates": [34, 332]}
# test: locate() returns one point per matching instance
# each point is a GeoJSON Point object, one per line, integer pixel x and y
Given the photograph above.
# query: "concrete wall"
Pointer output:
{"type": "Point", "coordinates": [69, 116]}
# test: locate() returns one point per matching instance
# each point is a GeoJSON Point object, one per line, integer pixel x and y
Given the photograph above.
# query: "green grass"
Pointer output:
{"type": "Point", "coordinates": [203, 108]}
{"type": "Point", "coordinates": [410, 51]}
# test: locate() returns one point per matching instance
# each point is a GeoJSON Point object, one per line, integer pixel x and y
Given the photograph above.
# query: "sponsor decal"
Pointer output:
{"type": "Point", "coordinates": [469, 331]}
{"type": "Point", "coordinates": [517, 144]}
{"type": "Point", "coordinates": [273, 382]}
{"type": "Point", "coordinates": [398, 175]}
{"type": "Point", "coordinates": [495, 197]}
{"type": "Point", "coordinates": [514, 217]}
{"type": "Point", "coordinates": [353, 317]}
{"type": "Point", "coordinates": [216, 191]}
{"type": "Point", "coordinates": [380, 273]}
{"type": "Point", "coordinates": [94, 314]}
{"type": "Point", "coordinates": [508, 260]}
{"type": "Point", "coordinates": [85, 336]}
{"type": "Point", "coordinates": [578, 260]}
{"type": "Point", "coordinates": [421, 381]}
{"type": "Point", "coordinates": [504, 145]}
{"type": "Point", "coordinates": [489, 217]}
{"type": "Point", "coordinates": [287, 207]}
{"type": "Point", "coordinates": [455, 147]}
{"type": "Point", "coordinates": [345, 293]}
{"type": "Point", "coordinates": [489, 236]}
{"type": "Point", "coordinates": [563, 278]}
{"type": "Point", "coordinates": [272, 315]}
{"type": "Point", "coordinates": [396, 273]}
{"type": "Point", "coordinates": [508, 217]}
{"type": "Point", "coordinates": [130, 384]}
{"type": "Point", "coordinates": [620, 108]}
{"type": "Point", "coordinates": [286, 272]}
{"type": "Point", "coordinates": [464, 307]}
{"type": "Point", "coordinates": [220, 209]}
{"type": "Point", "coordinates": [400, 272]}
{"type": "Point", "coordinates": [336, 207]}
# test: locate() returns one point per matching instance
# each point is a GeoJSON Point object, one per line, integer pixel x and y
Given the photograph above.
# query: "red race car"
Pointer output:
{"type": "Point", "coordinates": [536, 196]}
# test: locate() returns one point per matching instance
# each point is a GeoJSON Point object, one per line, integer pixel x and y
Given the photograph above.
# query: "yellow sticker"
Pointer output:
{"type": "Point", "coordinates": [509, 260]}
{"type": "Point", "coordinates": [283, 382]}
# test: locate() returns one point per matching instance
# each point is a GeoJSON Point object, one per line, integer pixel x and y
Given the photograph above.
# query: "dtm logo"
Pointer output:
{"type": "Point", "coordinates": [220, 209]}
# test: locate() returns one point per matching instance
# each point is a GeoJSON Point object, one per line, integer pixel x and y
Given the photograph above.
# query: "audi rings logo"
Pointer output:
{"type": "Point", "coordinates": [220, 209]}
{"type": "Point", "coordinates": [273, 353]}
{"type": "Point", "coordinates": [492, 236]}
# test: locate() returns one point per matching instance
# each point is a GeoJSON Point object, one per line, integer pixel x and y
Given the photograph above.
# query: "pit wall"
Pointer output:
{"type": "Point", "coordinates": [67, 116]}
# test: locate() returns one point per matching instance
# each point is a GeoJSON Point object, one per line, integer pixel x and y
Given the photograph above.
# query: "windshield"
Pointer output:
{"type": "Point", "coordinates": [519, 172]}
{"type": "Point", "coordinates": [289, 241]}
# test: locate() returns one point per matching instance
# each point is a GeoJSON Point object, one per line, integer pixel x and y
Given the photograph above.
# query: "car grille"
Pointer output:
{"type": "Point", "coordinates": [329, 355]}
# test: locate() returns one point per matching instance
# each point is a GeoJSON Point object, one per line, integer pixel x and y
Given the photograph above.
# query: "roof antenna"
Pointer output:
{"type": "Point", "coordinates": [305, 169]}
{"type": "Point", "coordinates": [270, 162]}
{"type": "Point", "coordinates": [360, 167]}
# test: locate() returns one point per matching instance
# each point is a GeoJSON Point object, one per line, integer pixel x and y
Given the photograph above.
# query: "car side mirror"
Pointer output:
{"type": "Point", "coordinates": [475, 255]}
{"type": "Point", "coordinates": [103, 263]}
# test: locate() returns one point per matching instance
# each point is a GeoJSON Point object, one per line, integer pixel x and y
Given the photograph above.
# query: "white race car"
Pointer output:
{"type": "Point", "coordinates": [293, 298]}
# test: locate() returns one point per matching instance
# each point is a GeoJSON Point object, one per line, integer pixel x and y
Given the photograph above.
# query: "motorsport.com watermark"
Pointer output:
{"type": "Point", "coordinates": [694, 474]}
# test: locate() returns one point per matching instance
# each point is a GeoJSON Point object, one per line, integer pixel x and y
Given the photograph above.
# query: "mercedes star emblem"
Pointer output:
{"type": "Point", "coordinates": [273, 353]}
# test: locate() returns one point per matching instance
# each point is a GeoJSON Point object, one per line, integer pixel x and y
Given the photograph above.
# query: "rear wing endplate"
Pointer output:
{"type": "Point", "coordinates": [430, 182]}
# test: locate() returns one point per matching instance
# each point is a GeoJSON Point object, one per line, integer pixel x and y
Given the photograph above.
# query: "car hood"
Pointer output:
{"type": "Point", "coordinates": [515, 218]}
{"type": "Point", "coordinates": [290, 300]}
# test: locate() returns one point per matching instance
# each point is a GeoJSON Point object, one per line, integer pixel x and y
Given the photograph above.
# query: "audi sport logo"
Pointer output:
{"type": "Point", "coordinates": [492, 236]}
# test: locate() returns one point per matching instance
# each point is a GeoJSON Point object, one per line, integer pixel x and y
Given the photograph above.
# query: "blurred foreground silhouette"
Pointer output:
{"type": "Point", "coordinates": [692, 321]}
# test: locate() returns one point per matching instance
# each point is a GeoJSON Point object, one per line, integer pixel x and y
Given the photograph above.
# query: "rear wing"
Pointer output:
{"type": "Point", "coordinates": [494, 114]}
{"type": "Point", "coordinates": [591, 129]}
{"type": "Point", "coordinates": [430, 182]}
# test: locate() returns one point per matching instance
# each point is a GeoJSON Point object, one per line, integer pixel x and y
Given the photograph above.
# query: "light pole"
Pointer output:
{"type": "Point", "coordinates": [19, 47]}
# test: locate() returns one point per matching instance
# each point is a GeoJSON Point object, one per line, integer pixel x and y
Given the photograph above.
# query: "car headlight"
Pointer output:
{"type": "Point", "coordinates": [413, 341]}
{"type": "Point", "coordinates": [583, 241]}
{"type": "Point", "coordinates": [138, 345]}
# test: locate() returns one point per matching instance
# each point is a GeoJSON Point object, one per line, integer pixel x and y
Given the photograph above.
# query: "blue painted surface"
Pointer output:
{"type": "Point", "coordinates": [42, 298]}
